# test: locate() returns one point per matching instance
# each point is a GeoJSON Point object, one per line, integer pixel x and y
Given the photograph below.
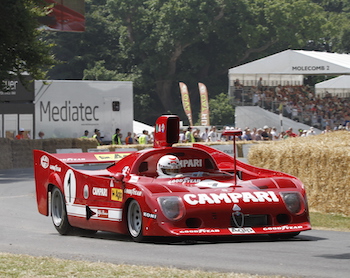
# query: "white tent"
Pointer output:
{"type": "Point", "coordinates": [139, 127]}
{"type": "Point", "coordinates": [336, 86]}
{"type": "Point", "coordinates": [288, 67]}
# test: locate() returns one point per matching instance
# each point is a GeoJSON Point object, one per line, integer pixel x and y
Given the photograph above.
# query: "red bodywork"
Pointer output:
{"type": "Point", "coordinates": [217, 195]}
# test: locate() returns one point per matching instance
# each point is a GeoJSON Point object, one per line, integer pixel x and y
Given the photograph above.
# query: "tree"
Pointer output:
{"type": "Point", "coordinates": [162, 42]}
{"type": "Point", "coordinates": [22, 52]}
{"type": "Point", "coordinates": [169, 39]}
{"type": "Point", "coordinates": [221, 110]}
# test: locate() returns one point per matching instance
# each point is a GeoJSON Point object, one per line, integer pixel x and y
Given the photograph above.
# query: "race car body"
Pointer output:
{"type": "Point", "coordinates": [213, 195]}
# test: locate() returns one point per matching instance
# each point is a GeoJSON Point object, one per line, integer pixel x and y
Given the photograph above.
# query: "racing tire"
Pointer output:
{"type": "Point", "coordinates": [284, 235]}
{"type": "Point", "coordinates": [134, 221]}
{"type": "Point", "coordinates": [59, 212]}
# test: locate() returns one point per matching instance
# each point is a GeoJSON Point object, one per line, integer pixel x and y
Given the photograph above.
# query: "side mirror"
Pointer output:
{"type": "Point", "coordinates": [119, 177]}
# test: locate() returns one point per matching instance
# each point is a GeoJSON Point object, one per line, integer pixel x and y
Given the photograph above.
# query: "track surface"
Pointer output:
{"type": "Point", "coordinates": [24, 231]}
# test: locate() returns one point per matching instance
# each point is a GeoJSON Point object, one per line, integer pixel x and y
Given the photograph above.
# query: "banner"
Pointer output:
{"type": "Point", "coordinates": [186, 103]}
{"type": "Point", "coordinates": [205, 121]}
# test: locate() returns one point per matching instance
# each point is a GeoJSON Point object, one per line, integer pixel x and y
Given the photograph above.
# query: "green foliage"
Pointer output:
{"type": "Point", "coordinates": [158, 43]}
{"type": "Point", "coordinates": [221, 110]}
{"type": "Point", "coordinates": [22, 52]}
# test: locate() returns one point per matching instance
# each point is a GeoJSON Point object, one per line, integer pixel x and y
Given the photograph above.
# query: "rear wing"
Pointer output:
{"type": "Point", "coordinates": [85, 158]}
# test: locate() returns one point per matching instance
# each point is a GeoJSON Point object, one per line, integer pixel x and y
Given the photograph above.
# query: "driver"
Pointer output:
{"type": "Point", "coordinates": [168, 166]}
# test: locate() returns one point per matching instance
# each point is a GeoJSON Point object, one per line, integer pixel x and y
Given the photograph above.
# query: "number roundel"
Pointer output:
{"type": "Point", "coordinates": [70, 187]}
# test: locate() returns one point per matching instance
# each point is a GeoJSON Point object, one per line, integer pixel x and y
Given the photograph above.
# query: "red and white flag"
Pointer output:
{"type": "Point", "coordinates": [186, 103]}
{"type": "Point", "coordinates": [205, 121]}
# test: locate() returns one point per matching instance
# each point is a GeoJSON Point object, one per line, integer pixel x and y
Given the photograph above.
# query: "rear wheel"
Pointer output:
{"type": "Point", "coordinates": [59, 212]}
{"type": "Point", "coordinates": [134, 217]}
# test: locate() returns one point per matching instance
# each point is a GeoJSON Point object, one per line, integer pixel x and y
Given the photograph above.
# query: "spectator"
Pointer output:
{"type": "Point", "coordinates": [213, 135]}
{"type": "Point", "coordinates": [247, 135]}
{"type": "Point", "coordinates": [97, 136]}
{"type": "Point", "coordinates": [144, 138]}
{"type": "Point", "coordinates": [265, 134]}
{"type": "Point", "coordinates": [310, 132]}
{"type": "Point", "coordinates": [129, 139]}
{"type": "Point", "coordinates": [41, 135]}
{"type": "Point", "coordinates": [86, 134]}
{"type": "Point", "coordinates": [196, 135]}
{"type": "Point", "coordinates": [260, 84]}
{"type": "Point", "coordinates": [328, 129]}
{"type": "Point", "coordinates": [189, 138]}
{"type": "Point", "coordinates": [289, 133]}
{"type": "Point", "coordinates": [116, 138]}
{"type": "Point", "coordinates": [21, 135]}
{"type": "Point", "coordinates": [182, 136]}
{"type": "Point", "coordinates": [258, 136]}
{"type": "Point", "coordinates": [204, 135]}
{"type": "Point", "coordinates": [274, 134]}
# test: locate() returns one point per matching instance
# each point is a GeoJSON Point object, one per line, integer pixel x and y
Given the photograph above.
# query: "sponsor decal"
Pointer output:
{"type": "Point", "coordinates": [106, 213]}
{"type": "Point", "coordinates": [117, 194]}
{"type": "Point", "coordinates": [103, 213]}
{"type": "Point", "coordinates": [183, 181]}
{"type": "Point", "coordinates": [241, 230]}
{"type": "Point", "coordinates": [44, 161]}
{"type": "Point", "coordinates": [68, 112]}
{"type": "Point", "coordinates": [191, 163]}
{"type": "Point", "coordinates": [283, 228]}
{"type": "Point", "coordinates": [72, 159]}
{"type": "Point", "coordinates": [126, 170]}
{"type": "Point", "coordinates": [70, 187]}
{"type": "Point", "coordinates": [97, 191]}
{"type": "Point", "coordinates": [55, 168]}
{"type": "Point", "coordinates": [310, 68]}
{"type": "Point", "coordinates": [134, 179]}
{"type": "Point", "coordinates": [200, 231]}
{"type": "Point", "coordinates": [113, 156]}
{"type": "Point", "coordinates": [150, 215]}
{"type": "Point", "coordinates": [133, 192]}
{"type": "Point", "coordinates": [246, 197]}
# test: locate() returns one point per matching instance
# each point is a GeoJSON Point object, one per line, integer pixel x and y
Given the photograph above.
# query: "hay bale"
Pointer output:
{"type": "Point", "coordinates": [51, 145]}
{"type": "Point", "coordinates": [84, 143]}
{"type": "Point", "coordinates": [22, 152]}
{"type": "Point", "coordinates": [321, 162]}
{"type": "Point", "coordinates": [6, 154]}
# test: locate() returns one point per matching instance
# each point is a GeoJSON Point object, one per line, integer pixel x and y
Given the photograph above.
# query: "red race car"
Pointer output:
{"type": "Point", "coordinates": [169, 191]}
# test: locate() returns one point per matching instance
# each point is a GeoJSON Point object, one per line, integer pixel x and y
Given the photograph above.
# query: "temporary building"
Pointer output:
{"type": "Point", "coordinates": [288, 68]}
{"type": "Point", "coordinates": [336, 86]}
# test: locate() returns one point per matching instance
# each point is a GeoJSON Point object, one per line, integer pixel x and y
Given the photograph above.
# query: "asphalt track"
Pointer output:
{"type": "Point", "coordinates": [23, 230]}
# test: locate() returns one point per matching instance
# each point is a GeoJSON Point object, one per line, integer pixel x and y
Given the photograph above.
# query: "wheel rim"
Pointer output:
{"type": "Point", "coordinates": [57, 208]}
{"type": "Point", "coordinates": [134, 219]}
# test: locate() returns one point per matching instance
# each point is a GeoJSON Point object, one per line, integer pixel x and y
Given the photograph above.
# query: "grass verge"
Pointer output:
{"type": "Point", "coordinates": [328, 221]}
{"type": "Point", "coordinates": [23, 266]}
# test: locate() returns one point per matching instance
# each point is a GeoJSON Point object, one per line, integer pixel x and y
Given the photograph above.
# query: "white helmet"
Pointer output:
{"type": "Point", "coordinates": [168, 165]}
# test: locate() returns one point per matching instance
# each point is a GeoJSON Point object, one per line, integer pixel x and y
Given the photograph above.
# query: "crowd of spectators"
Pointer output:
{"type": "Point", "coordinates": [298, 103]}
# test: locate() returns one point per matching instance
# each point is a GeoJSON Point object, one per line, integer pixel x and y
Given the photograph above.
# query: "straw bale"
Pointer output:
{"type": "Point", "coordinates": [6, 153]}
{"type": "Point", "coordinates": [321, 162]}
{"type": "Point", "coordinates": [51, 145]}
{"type": "Point", "coordinates": [84, 143]}
{"type": "Point", "coordinates": [22, 152]}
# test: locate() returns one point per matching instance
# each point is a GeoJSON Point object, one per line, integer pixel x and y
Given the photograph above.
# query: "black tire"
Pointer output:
{"type": "Point", "coordinates": [134, 221]}
{"type": "Point", "coordinates": [59, 212]}
{"type": "Point", "coordinates": [284, 235]}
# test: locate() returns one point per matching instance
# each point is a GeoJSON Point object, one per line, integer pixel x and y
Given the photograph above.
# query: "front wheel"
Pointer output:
{"type": "Point", "coordinates": [59, 212]}
{"type": "Point", "coordinates": [134, 217]}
